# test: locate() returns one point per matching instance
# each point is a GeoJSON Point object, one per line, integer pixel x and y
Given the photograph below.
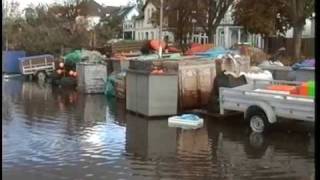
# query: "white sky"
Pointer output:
{"type": "Point", "coordinates": [25, 3]}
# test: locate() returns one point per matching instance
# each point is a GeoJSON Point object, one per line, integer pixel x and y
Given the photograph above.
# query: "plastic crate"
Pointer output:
{"type": "Point", "coordinates": [286, 88]}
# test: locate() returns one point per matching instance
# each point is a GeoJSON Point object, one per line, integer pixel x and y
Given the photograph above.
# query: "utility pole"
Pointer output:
{"type": "Point", "coordinates": [160, 30]}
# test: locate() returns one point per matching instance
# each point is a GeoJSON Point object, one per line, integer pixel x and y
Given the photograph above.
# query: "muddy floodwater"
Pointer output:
{"type": "Point", "coordinates": [51, 134]}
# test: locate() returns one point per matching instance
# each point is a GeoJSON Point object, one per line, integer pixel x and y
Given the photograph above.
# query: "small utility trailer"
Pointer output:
{"type": "Point", "coordinates": [39, 66]}
{"type": "Point", "coordinates": [263, 107]}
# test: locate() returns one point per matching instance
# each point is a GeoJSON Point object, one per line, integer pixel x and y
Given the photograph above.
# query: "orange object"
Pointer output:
{"type": "Point", "coordinates": [196, 48]}
{"type": "Point", "coordinates": [285, 88]}
{"type": "Point", "coordinates": [303, 89]}
{"type": "Point", "coordinates": [155, 44]}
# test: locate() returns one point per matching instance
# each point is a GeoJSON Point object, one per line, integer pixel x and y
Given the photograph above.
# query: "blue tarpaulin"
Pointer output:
{"type": "Point", "coordinates": [214, 52]}
{"type": "Point", "coordinates": [11, 61]}
{"type": "Point", "coordinates": [306, 64]}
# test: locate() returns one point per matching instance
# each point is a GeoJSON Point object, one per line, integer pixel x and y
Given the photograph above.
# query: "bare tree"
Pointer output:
{"type": "Point", "coordinates": [209, 14]}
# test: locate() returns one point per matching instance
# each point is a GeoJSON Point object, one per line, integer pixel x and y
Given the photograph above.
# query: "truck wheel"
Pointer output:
{"type": "Point", "coordinates": [258, 120]}
{"type": "Point", "coordinates": [41, 76]}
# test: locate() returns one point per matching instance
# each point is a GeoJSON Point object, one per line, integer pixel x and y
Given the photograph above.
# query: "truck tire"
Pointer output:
{"type": "Point", "coordinates": [257, 119]}
{"type": "Point", "coordinates": [41, 75]}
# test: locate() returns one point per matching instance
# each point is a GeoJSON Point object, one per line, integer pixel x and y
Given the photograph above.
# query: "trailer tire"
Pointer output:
{"type": "Point", "coordinates": [41, 75]}
{"type": "Point", "coordinates": [255, 145]}
{"type": "Point", "coordinates": [257, 119]}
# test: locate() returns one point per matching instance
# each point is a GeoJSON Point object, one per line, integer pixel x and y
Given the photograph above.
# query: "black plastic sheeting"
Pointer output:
{"type": "Point", "coordinates": [223, 80]}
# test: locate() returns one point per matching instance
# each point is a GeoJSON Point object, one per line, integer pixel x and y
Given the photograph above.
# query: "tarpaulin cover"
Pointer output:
{"type": "Point", "coordinates": [308, 63]}
{"type": "Point", "coordinates": [214, 52]}
{"type": "Point", "coordinates": [73, 57]}
{"type": "Point", "coordinates": [83, 55]}
{"type": "Point", "coordinates": [110, 86]}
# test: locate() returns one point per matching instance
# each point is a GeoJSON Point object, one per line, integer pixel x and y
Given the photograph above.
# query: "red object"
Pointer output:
{"type": "Point", "coordinates": [155, 44]}
{"type": "Point", "coordinates": [195, 48]}
{"type": "Point", "coordinates": [173, 49]}
{"type": "Point", "coordinates": [285, 88]}
{"type": "Point", "coordinates": [75, 74]}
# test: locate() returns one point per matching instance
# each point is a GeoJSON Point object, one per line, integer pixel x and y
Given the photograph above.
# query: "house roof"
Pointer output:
{"type": "Point", "coordinates": [125, 10]}
{"type": "Point", "coordinates": [111, 9]}
{"type": "Point", "coordinates": [90, 8]}
{"type": "Point", "coordinates": [156, 3]}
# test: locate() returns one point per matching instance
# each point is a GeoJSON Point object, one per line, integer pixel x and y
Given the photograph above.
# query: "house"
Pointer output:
{"type": "Point", "coordinates": [91, 11]}
{"type": "Point", "coordinates": [308, 31]}
{"type": "Point", "coordinates": [145, 26]}
{"type": "Point", "coordinates": [127, 15]}
{"type": "Point", "coordinates": [226, 35]}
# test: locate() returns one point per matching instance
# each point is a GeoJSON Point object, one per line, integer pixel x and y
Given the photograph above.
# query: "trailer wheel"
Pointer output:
{"type": "Point", "coordinates": [257, 119]}
{"type": "Point", "coordinates": [41, 75]}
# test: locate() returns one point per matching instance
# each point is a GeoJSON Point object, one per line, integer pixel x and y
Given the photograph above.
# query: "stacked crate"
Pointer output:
{"type": "Point", "coordinates": [120, 85]}
{"type": "Point", "coordinates": [91, 77]}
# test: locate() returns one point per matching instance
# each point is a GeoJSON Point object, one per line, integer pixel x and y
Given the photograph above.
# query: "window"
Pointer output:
{"type": "Point", "coordinates": [147, 36]}
{"type": "Point", "coordinates": [152, 35]}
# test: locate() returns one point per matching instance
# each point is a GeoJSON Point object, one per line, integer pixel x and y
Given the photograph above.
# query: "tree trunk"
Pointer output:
{"type": "Point", "coordinates": [210, 35]}
{"type": "Point", "coordinates": [297, 39]}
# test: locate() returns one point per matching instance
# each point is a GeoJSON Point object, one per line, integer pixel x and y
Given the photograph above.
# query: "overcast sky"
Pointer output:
{"type": "Point", "coordinates": [25, 3]}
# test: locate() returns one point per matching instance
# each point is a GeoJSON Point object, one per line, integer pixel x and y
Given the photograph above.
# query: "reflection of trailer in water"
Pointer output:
{"type": "Point", "coordinates": [262, 108]}
{"type": "Point", "coordinates": [33, 90]}
{"type": "Point", "coordinates": [238, 151]}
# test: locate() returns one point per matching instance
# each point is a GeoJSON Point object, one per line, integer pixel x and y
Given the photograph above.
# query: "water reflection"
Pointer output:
{"type": "Point", "coordinates": [54, 133]}
{"type": "Point", "coordinates": [276, 154]}
{"type": "Point", "coordinates": [150, 138]}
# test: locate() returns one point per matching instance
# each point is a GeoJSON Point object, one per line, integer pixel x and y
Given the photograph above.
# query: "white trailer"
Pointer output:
{"type": "Point", "coordinates": [262, 107]}
{"type": "Point", "coordinates": [39, 66]}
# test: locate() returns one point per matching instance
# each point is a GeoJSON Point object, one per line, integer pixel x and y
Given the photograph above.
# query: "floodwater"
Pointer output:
{"type": "Point", "coordinates": [51, 133]}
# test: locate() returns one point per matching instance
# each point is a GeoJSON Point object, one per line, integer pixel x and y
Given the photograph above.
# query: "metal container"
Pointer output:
{"type": "Point", "coordinates": [151, 95]}
{"type": "Point", "coordinates": [91, 77]}
{"type": "Point", "coordinates": [280, 72]}
{"type": "Point", "coordinates": [305, 74]}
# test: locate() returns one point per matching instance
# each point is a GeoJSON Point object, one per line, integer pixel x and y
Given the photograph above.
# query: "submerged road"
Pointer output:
{"type": "Point", "coordinates": [51, 133]}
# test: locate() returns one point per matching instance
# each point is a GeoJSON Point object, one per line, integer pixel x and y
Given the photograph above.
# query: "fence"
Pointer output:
{"type": "Point", "coordinates": [273, 44]}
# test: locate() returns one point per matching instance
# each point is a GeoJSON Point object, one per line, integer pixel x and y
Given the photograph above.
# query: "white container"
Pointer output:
{"type": "Point", "coordinates": [151, 94]}
{"type": "Point", "coordinates": [91, 77]}
{"type": "Point", "coordinates": [177, 121]}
